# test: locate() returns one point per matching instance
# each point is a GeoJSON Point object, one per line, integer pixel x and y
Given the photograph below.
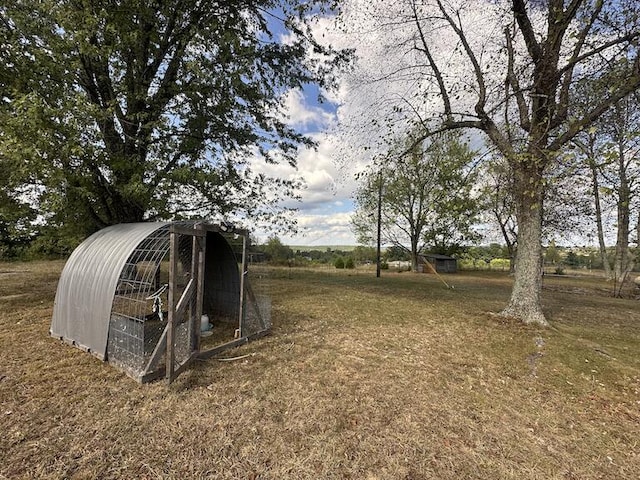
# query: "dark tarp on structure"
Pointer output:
{"type": "Point", "coordinates": [221, 279]}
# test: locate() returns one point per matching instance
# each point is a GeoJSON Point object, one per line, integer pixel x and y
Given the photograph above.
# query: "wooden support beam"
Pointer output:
{"type": "Point", "coordinates": [171, 321]}
{"type": "Point", "coordinates": [243, 275]}
{"type": "Point", "coordinates": [183, 303]}
{"type": "Point", "coordinates": [202, 251]}
{"type": "Point", "coordinates": [233, 344]}
{"type": "Point", "coordinates": [157, 351]}
{"type": "Point", "coordinates": [179, 230]}
{"type": "Point", "coordinates": [177, 371]}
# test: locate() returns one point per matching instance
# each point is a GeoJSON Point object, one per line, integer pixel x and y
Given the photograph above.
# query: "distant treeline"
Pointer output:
{"type": "Point", "coordinates": [477, 257]}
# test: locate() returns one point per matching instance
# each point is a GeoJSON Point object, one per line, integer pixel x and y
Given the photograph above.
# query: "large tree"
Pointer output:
{"type": "Point", "coordinates": [621, 125]}
{"type": "Point", "coordinates": [425, 195]}
{"type": "Point", "coordinates": [119, 111]}
{"type": "Point", "coordinates": [568, 208]}
{"type": "Point", "coordinates": [610, 151]}
{"type": "Point", "coordinates": [506, 68]}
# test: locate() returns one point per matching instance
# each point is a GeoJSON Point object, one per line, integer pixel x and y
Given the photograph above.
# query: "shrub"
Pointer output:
{"type": "Point", "coordinates": [384, 266]}
{"type": "Point", "coordinates": [349, 263]}
{"type": "Point", "coordinates": [339, 263]}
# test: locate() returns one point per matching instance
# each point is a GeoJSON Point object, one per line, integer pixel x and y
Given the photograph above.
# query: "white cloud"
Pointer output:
{"type": "Point", "coordinates": [323, 229]}
{"type": "Point", "coordinates": [356, 122]}
{"type": "Point", "coordinates": [302, 115]}
{"type": "Point", "coordinates": [362, 114]}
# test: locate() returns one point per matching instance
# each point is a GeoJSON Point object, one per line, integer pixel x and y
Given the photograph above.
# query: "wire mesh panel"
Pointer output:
{"type": "Point", "coordinates": [185, 299]}
{"type": "Point", "coordinates": [257, 315]}
{"type": "Point", "coordinates": [234, 312]}
{"type": "Point", "coordinates": [208, 278]}
{"type": "Point", "coordinates": [139, 309]}
{"type": "Point", "coordinates": [135, 307]}
{"type": "Point", "coordinates": [257, 308]}
{"type": "Point", "coordinates": [260, 292]}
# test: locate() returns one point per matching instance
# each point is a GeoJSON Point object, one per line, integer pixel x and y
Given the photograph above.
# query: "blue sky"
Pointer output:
{"type": "Point", "coordinates": [326, 206]}
{"type": "Point", "coordinates": [323, 214]}
{"type": "Point", "coordinates": [347, 139]}
{"type": "Point", "coordinates": [386, 75]}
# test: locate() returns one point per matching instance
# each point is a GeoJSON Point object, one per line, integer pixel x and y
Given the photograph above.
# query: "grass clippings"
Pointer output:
{"type": "Point", "coordinates": [363, 378]}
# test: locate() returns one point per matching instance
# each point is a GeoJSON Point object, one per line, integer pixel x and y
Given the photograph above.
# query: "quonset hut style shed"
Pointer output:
{"type": "Point", "coordinates": [141, 295]}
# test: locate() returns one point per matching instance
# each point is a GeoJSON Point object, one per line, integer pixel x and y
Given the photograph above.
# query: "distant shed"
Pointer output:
{"type": "Point", "coordinates": [441, 263]}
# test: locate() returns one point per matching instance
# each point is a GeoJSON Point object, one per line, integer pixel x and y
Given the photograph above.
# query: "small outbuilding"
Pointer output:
{"type": "Point", "coordinates": [440, 263]}
{"type": "Point", "coordinates": [146, 297]}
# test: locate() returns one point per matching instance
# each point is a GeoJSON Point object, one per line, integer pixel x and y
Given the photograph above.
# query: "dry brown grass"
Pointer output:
{"type": "Point", "coordinates": [363, 378]}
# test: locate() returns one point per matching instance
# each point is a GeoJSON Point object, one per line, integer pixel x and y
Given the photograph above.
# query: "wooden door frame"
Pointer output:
{"type": "Point", "coordinates": [192, 296]}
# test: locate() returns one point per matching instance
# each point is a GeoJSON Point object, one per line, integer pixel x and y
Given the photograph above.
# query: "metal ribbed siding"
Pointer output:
{"type": "Point", "coordinates": [88, 282]}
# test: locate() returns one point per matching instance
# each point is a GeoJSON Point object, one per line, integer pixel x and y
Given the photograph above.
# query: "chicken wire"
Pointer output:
{"type": "Point", "coordinates": [138, 313]}
{"type": "Point", "coordinates": [139, 310]}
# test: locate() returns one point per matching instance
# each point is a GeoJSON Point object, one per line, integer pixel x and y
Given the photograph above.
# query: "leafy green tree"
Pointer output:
{"type": "Point", "coordinates": [120, 111]}
{"type": "Point", "coordinates": [608, 151]}
{"type": "Point", "coordinates": [348, 263]}
{"type": "Point", "coordinates": [397, 252]}
{"type": "Point", "coordinates": [276, 252]}
{"type": "Point", "coordinates": [339, 263]}
{"type": "Point", "coordinates": [572, 259]}
{"type": "Point", "coordinates": [364, 254]}
{"type": "Point", "coordinates": [620, 178]}
{"type": "Point", "coordinates": [16, 230]}
{"type": "Point", "coordinates": [552, 254]}
{"type": "Point", "coordinates": [426, 196]}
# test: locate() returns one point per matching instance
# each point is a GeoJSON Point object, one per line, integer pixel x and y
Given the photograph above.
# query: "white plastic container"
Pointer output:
{"type": "Point", "coordinates": [204, 323]}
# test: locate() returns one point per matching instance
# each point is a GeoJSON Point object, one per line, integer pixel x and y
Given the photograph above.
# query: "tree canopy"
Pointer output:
{"type": "Point", "coordinates": [121, 111]}
{"type": "Point", "coordinates": [426, 195]}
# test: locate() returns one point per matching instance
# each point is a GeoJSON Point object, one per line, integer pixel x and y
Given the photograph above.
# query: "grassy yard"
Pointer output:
{"type": "Point", "coordinates": [362, 378]}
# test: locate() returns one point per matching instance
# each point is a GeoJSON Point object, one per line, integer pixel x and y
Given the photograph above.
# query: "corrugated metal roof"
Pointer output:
{"type": "Point", "coordinates": [88, 282]}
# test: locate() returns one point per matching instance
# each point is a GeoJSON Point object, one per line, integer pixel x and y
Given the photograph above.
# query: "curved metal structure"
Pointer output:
{"type": "Point", "coordinates": [133, 295]}
{"type": "Point", "coordinates": [88, 283]}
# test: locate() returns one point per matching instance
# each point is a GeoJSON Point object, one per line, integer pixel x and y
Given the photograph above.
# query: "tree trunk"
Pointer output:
{"type": "Point", "coordinates": [596, 201]}
{"type": "Point", "coordinates": [524, 303]}
{"type": "Point", "coordinates": [512, 261]}
{"type": "Point", "coordinates": [414, 254]}
{"type": "Point", "coordinates": [622, 256]}
{"type": "Point", "coordinates": [511, 245]}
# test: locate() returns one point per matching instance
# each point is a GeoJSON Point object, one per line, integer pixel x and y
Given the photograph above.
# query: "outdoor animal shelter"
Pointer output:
{"type": "Point", "coordinates": [433, 262]}
{"type": "Point", "coordinates": [150, 298]}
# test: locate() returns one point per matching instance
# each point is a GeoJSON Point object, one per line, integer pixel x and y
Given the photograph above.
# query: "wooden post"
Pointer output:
{"type": "Point", "coordinates": [201, 241]}
{"type": "Point", "coordinates": [379, 223]}
{"type": "Point", "coordinates": [242, 285]}
{"type": "Point", "coordinates": [173, 283]}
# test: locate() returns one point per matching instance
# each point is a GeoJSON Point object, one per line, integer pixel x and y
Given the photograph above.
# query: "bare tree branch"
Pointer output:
{"type": "Point", "coordinates": [425, 49]}
{"type": "Point", "coordinates": [512, 78]}
{"type": "Point", "coordinates": [567, 71]}
{"type": "Point", "coordinates": [632, 84]}
{"type": "Point", "coordinates": [520, 13]}
{"type": "Point", "coordinates": [482, 89]}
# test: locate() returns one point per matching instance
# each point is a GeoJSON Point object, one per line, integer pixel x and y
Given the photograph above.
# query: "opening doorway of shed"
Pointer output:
{"type": "Point", "coordinates": [210, 304]}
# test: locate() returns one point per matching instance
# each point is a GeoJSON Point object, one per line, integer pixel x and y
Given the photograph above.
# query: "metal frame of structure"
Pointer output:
{"type": "Point", "coordinates": [134, 294]}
